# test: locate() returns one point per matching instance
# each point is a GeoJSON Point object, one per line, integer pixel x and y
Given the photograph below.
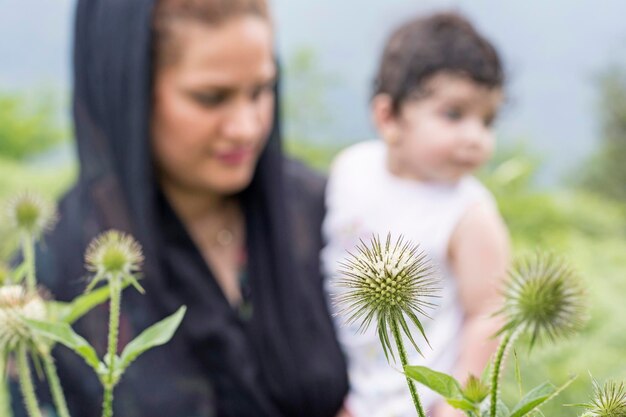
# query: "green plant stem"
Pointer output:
{"type": "Point", "coordinates": [5, 405]}
{"type": "Point", "coordinates": [403, 359]}
{"type": "Point", "coordinates": [107, 403]}
{"type": "Point", "coordinates": [55, 386]}
{"type": "Point", "coordinates": [114, 322]}
{"type": "Point", "coordinates": [26, 383]}
{"type": "Point", "coordinates": [497, 370]}
{"type": "Point", "coordinates": [28, 249]}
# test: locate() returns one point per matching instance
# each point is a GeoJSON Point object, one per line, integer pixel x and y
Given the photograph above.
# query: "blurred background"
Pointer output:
{"type": "Point", "coordinates": [559, 175]}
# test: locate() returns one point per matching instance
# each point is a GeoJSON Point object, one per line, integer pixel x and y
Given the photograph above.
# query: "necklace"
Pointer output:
{"type": "Point", "coordinates": [224, 237]}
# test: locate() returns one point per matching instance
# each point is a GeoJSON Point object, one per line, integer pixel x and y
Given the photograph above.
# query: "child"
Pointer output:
{"type": "Point", "coordinates": [438, 89]}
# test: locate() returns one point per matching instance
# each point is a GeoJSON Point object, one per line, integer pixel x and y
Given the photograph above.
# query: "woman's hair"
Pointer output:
{"type": "Point", "coordinates": [424, 46]}
{"type": "Point", "coordinates": [169, 13]}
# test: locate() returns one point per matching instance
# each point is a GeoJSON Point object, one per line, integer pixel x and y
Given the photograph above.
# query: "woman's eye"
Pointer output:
{"type": "Point", "coordinates": [453, 114]}
{"type": "Point", "coordinates": [210, 99]}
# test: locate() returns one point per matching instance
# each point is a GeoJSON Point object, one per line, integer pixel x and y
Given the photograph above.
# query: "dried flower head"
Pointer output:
{"type": "Point", "coordinates": [544, 297]}
{"type": "Point", "coordinates": [17, 304]}
{"type": "Point", "coordinates": [385, 283]}
{"type": "Point", "coordinates": [608, 401]}
{"type": "Point", "coordinates": [113, 253]}
{"type": "Point", "coordinates": [30, 213]}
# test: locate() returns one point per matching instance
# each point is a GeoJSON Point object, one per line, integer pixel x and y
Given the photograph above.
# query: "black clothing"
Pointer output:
{"type": "Point", "coordinates": [283, 360]}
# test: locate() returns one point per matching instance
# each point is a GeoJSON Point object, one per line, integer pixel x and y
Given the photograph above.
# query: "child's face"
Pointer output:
{"type": "Point", "coordinates": [446, 134]}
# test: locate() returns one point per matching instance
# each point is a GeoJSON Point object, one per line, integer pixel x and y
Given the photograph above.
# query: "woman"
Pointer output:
{"type": "Point", "coordinates": [177, 130]}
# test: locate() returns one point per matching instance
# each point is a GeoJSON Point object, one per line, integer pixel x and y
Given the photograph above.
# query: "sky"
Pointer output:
{"type": "Point", "coordinates": [553, 51]}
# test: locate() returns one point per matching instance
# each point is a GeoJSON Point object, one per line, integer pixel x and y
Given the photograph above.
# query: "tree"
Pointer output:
{"type": "Point", "coordinates": [26, 128]}
{"type": "Point", "coordinates": [605, 170]}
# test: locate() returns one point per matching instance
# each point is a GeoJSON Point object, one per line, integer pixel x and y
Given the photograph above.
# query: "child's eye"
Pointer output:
{"type": "Point", "coordinates": [262, 89]}
{"type": "Point", "coordinates": [489, 120]}
{"type": "Point", "coordinates": [453, 114]}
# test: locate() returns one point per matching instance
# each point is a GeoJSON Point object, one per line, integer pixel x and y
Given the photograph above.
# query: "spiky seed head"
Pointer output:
{"type": "Point", "coordinates": [608, 400]}
{"type": "Point", "coordinates": [17, 304]}
{"type": "Point", "coordinates": [544, 297]}
{"type": "Point", "coordinates": [29, 213]}
{"type": "Point", "coordinates": [114, 253]}
{"type": "Point", "coordinates": [386, 282]}
{"type": "Point", "coordinates": [475, 389]}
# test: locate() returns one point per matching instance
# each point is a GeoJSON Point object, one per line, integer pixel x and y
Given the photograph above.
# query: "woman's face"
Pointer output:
{"type": "Point", "coordinates": [214, 106]}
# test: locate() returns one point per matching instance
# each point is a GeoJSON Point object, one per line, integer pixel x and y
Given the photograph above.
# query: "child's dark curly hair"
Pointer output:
{"type": "Point", "coordinates": [424, 46]}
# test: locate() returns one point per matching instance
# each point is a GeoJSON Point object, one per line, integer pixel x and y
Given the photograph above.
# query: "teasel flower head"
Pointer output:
{"type": "Point", "coordinates": [114, 253]}
{"type": "Point", "coordinates": [17, 304]}
{"type": "Point", "coordinates": [31, 214]}
{"type": "Point", "coordinates": [608, 400]}
{"type": "Point", "coordinates": [385, 283]}
{"type": "Point", "coordinates": [543, 297]}
{"type": "Point", "coordinates": [475, 389]}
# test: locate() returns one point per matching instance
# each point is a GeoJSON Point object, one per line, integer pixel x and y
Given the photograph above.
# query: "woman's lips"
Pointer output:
{"type": "Point", "coordinates": [235, 156]}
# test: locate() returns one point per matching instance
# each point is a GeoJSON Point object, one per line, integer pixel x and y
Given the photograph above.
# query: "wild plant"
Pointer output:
{"type": "Point", "coordinates": [31, 323]}
{"type": "Point", "coordinates": [388, 282]}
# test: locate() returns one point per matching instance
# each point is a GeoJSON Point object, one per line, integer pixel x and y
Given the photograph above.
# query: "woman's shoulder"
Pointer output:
{"type": "Point", "coordinates": [303, 181]}
{"type": "Point", "coordinates": [304, 196]}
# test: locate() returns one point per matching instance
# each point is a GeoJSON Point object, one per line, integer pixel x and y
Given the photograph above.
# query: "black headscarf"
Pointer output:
{"type": "Point", "coordinates": [284, 360]}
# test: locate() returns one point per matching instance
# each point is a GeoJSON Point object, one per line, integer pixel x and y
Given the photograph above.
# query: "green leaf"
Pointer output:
{"type": "Point", "coordinates": [462, 404]}
{"type": "Point", "coordinates": [538, 396]}
{"type": "Point", "coordinates": [129, 279]}
{"type": "Point", "coordinates": [19, 273]}
{"type": "Point", "coordinates": [441, 383]}
{"type": "Point", "coordinates": [486, 375]}
{"type": "Point", "coordinates": [64, 334]}
{"type": "Point", "coordinates": [156, 335]}
{"type": "Point", "coordinates": [501, 409]}
{"type": "Point", "coordinates": [81, 305]}
{"type": "Point", "coordinates": [533, 399]}
{"type": "Point", "coordinates": [5, 400]}
{"type": "Point", "coordinates": [518, 374]}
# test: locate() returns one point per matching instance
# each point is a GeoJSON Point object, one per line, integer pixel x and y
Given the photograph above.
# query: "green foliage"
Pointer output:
{"type": "Point", "coordinates": [63, 333]}
{"type": "Point", "coordinates": [317, 156]}
{"type": "Point", "coordinates": [442, 384]}
{"type": "Point", "coordinates": [50, 182]}
{"type": "Point", "coordinates": [78, 307]}
{"type": "Point", "coordinates": [306, 88]}
{"type": "Point", "coordinates": [5, 401]}
{"type": "Point", "coordinates": [605, 171]}
{"type": "Point", "coordinates": [27, 129]}
{"type": "Point", "coordinates": [156, 335]}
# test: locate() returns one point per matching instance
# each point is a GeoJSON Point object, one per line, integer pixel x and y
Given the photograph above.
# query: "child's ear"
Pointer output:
{"type": "Point", "coordinates": [385, 118]}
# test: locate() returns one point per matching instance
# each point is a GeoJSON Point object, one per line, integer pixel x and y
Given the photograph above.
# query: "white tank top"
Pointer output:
{"type": "Point", "coordinates": [362, 199]}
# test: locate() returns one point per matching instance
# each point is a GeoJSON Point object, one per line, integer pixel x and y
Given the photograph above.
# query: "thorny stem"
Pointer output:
{"type": "Point", "coordinates": [4, 389]}
{"type": "Point", "coordinates": [403, 359]}
{"type": "Point", "coordinates": [107, 404]}
{"type": "Point", "coordinates": [497, 370]}
{"type": "Point", "coordinates": [28, 248]}
{"type": "Point", "coordinates": [114, 321]}
{"type": "Point", "coordinates": [26, 383]}
{"type": "Point", "coordinates": [55, 386]}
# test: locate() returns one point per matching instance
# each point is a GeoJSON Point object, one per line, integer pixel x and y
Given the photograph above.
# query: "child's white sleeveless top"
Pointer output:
{"type": "Point", "coordinates": [362, 199]}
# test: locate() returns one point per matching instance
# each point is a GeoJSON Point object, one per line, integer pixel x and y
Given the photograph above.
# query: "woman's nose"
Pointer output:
{"type": "Point", "coordinates": [244, 122]}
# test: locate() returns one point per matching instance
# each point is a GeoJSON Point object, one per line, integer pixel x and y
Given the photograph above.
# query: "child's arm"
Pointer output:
{"type": "Point", "coordinates": [479, 255]}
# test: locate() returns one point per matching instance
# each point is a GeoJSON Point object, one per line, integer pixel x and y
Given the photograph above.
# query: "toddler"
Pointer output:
{"type": "Point", "coordinates": [438, 90]}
